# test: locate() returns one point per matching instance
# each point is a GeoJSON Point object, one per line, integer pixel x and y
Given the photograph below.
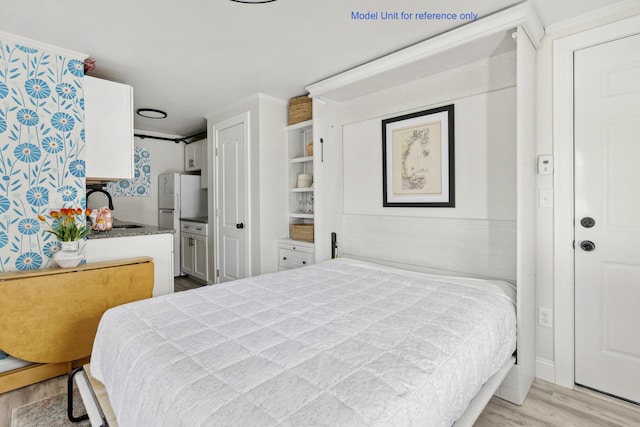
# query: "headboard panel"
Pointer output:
{"type": "Point", "coordinates": [480, 248]}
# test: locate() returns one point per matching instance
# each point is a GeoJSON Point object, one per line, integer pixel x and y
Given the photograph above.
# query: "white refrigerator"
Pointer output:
{"type": "Point", "coordinates": [179, 196]}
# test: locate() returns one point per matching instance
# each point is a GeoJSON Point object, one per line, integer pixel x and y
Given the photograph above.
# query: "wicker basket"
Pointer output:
{"type": "Point", "coordinates": [303, 232]}
{"type": "Point", "coordinates": [299, 109]}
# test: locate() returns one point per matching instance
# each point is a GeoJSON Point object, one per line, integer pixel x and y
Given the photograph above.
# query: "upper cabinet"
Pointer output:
{"type": "Point", "coordinates": [194, 155]}
{"type": "Point", "coordinates": [195, 159]}
{"type": "Point", "coordinates": [108, 130]}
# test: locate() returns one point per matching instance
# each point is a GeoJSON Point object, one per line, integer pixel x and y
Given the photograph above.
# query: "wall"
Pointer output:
{"type": "Point", "coordinates": [545, 346]}
{"type": "Point", "coordinates": [273, 185]}
{"type": "Point", "coordinates": [41, 147]}
{"type": "Point", "coordinates": [484, 157]}
{"type": "Point", "coordinates": [484, 97]}
{"type": "Point", "coordinates": [267, 174]}
{"type": "Point", "coordinates": [165, 156]}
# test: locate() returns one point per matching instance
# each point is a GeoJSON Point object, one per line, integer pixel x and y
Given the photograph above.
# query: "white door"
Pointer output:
{"type": "Point", "coordinates": [607, 217]}
{"type": "Point", "coordinates": [231, 194]}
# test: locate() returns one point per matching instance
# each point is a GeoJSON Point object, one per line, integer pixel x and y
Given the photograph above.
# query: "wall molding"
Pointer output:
{"type": "Point", "coordinates": [594, 18]}
{"type": "Point", "coordinates": [545, 370]}
{"type": "Point", "coordinates": [471, 42]}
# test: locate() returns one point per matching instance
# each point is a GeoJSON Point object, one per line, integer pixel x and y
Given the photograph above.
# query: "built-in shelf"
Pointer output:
{"type": "Point", "coordinates": [302, 159]}
{"type": "Point", "coordinates": [301, 215]}
{"type": "Point", "coordinates": [299, 126]}
{"type": "Point", "coordinates": [299, 140]}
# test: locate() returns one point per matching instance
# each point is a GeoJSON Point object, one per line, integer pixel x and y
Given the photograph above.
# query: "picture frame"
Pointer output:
{"type": "Point", "coordinates": [418, 168]}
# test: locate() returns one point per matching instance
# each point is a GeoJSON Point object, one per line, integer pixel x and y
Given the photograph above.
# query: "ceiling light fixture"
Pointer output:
{"type": "Point", "coordinates": [253, 1]}
{"type": "Point", "coordinates": [151, 113]}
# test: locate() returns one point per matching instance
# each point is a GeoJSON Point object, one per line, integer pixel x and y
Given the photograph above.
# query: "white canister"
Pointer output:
{"type": "Point", "coordinates": [305, 180]}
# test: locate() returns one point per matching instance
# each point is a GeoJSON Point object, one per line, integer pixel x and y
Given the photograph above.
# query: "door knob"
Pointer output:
{"type": "Point", "coordinates": [587, 222]}
{"type": "Point", "coordinates": [587, 245]}
{"type": "Point", "coordinates": [240, 226]}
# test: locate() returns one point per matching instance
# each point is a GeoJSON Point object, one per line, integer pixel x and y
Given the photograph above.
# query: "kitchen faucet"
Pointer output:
{"type": "Point", "coordinates": [99, 190]}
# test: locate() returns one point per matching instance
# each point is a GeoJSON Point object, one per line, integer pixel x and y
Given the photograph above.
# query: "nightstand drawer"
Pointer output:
{"type": "Point", "coordinates": [294, 254]}
{"type": "Point", "coordinates": [296, 247]}
{"type": "Point", "coordinates": [293, 259]}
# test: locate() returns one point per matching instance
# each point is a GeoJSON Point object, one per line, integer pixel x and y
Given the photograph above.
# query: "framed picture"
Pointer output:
{"type": "Point", "coordinates": [417, 159]}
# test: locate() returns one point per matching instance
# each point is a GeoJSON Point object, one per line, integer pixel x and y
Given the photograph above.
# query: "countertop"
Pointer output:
{"type": "Point", "coordinates": [120, 230]}
{"type": "Point", "coordinates": [202, 219]}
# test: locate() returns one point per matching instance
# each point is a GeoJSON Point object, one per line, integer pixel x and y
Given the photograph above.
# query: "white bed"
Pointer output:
{"type": "Point", "coordinates": [338, 343]}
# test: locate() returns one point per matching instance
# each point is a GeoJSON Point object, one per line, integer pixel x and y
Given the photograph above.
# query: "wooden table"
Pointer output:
{"type": "Point", "coordinates": [50, 316]}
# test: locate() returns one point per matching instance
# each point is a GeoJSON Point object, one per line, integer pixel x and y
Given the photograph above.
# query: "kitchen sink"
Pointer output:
{"type": "Point", "coordinates": [115, 227]}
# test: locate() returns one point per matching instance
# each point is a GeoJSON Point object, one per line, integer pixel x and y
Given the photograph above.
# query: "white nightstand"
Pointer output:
{"type": "Point", "coordinates": [294, 254]}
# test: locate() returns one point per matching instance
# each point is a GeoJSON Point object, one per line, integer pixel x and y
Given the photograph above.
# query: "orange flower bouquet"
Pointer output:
{"type": "Point", "coordinates": [68, 224]}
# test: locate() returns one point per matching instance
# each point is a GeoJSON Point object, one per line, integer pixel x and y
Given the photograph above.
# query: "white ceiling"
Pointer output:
{"type": "Point", "coordinates": [194, 57]}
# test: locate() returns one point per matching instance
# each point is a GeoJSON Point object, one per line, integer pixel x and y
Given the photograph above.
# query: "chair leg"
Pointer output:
{"type": "Point", "coordinates": [70, 398]}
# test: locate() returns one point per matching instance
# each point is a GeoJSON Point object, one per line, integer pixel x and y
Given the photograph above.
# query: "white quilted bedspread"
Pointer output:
{"type": "Point", "coordinates": [335, 344]}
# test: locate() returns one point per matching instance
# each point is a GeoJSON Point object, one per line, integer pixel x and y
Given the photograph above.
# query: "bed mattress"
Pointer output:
{"type": "Point", "coordinates": [336, 343]}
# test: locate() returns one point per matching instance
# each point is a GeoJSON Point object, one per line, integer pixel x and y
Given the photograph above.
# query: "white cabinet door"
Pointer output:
{"type": "Point", "coordinates": [194, 154]}
{"type": "Point", "coordinates": [190, 157]}
{"type": "Point", "coordinates": [187, 253]}
{"type": "Point", "coordinates": [200, 258]}
{"type": "Point", "coordinates": [108, 130]}
{"type": "Point", "coordinates": [200, 148]}
{"type": "Point", "coordinates": [157, 246]}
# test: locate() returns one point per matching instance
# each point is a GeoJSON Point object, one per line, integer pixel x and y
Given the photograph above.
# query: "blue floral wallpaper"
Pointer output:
{"type": "Point", "coordinates": [41, 149]}
{"type": "Point", "coordinates": [140, 185]}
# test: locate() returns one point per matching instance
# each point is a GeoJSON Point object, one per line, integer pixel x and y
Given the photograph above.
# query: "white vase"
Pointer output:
{"type": "Point", "coordinates": [69, 255]}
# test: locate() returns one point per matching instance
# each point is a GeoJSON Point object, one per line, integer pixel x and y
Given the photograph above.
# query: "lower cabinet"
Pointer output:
{"type": "Point", "coordinates": [294, 254]}
{"type": "Point", "coordinates": [157, 246]}
{"type": "Point", "coordinates": [194, 249]}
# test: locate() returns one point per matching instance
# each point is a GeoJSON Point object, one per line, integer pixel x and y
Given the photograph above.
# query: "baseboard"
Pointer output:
{"type": "Point", "coordinates": [545, 370]}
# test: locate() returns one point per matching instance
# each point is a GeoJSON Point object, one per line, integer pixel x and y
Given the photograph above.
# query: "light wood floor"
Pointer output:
{"type": "Point", "coordinates": [546, 405]}
{"type": "Point", "coordinates": [551, 405]}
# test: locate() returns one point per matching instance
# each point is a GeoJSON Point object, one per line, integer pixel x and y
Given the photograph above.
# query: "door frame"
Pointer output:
{"type": "Point", "coordinates": [563, 185]}
{"type": "Point", "coordinates": [214, 238]}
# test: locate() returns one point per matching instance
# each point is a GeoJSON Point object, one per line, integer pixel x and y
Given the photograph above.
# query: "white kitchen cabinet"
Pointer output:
{"type": "Point", "coordinates": [186, 254]}
{"type": "Point", "coordinates": [157, 246]}
{"type": "Point", "coordinates": [194, 249]}
{"type": "Point", "coordinates": [194, 155]}
{"type": "Point", "coordinates": [108, 130]}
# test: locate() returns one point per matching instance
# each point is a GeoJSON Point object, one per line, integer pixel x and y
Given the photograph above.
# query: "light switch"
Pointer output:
{"type": "Point", "coordinates": [545, 164]}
